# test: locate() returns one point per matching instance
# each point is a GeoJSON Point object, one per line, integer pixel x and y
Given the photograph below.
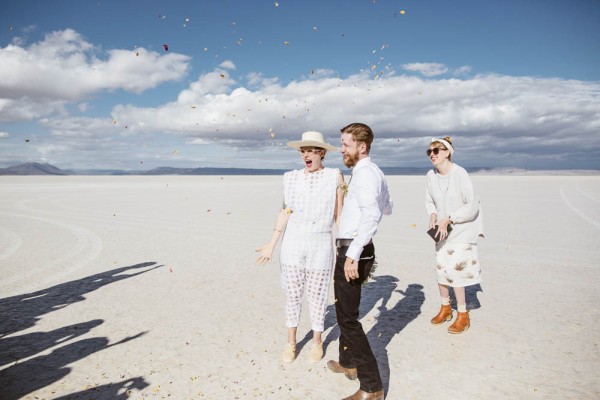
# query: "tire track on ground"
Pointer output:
{"type": "Point", "coordinates": [585, 206]}
{"type": "Point", "coordinates": [87, 246]}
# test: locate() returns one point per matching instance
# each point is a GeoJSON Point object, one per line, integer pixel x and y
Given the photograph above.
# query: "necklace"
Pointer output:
{"type": "Point", "coordinates": [445, 178]}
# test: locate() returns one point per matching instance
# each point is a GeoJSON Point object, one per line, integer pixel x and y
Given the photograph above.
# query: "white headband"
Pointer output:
{"type": "Point", "coordinates": [445, 143]}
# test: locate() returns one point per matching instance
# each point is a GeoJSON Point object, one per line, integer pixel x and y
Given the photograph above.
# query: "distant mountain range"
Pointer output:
{"type": "Point", "coordinates": [47, 169]}
{"type": "Point", "coordinates": [34, 169]}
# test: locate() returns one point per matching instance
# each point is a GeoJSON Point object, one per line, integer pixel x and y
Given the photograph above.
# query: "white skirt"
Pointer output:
{"type": "Point", "coordinates": [457, 264]}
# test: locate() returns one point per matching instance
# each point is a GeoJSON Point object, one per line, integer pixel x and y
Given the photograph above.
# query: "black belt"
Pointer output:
{"type": "Point", "coordinates": [346, 242]}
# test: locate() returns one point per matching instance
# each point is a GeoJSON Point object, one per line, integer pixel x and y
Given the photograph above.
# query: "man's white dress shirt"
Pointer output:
{"type": "Point", "coordinates": [367, 200]}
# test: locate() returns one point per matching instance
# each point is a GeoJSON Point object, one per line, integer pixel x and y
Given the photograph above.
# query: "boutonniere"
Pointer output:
{"type": "Point", "coordinates": [344, 188]}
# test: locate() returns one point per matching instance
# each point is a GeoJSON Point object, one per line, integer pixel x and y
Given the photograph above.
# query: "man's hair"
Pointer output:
{"type": "Point", "coordinates": [360, 133]}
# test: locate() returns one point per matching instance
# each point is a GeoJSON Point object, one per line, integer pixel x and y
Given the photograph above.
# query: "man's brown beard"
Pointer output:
{"type": "Point", "coordinates": [352, 160]}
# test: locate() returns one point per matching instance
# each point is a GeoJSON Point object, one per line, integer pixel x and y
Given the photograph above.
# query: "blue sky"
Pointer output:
{"type": "Point", "coordinates": [90, 85]}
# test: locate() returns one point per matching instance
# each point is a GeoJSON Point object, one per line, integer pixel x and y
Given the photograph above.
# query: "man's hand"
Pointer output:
{"type": "Point", "coordinates": [350, 269]}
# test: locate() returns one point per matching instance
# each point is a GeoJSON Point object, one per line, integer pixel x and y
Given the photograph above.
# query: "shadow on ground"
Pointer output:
{"type": "Point", "coordinates": [391, 319]}
{"type": "Point", "coordinates": [37, 371]}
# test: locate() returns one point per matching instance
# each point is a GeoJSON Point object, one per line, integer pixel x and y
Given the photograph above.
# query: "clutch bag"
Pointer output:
{"type": "Point", "coordinates": [433, 231]}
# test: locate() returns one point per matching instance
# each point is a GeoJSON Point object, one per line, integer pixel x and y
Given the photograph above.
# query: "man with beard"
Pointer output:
{"type": "Point", "coordinates": [367, 199]}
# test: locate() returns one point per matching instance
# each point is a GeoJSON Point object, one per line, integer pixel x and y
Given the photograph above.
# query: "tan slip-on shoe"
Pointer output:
{"type": "Point", "coordinates": [288, 354]}
{"type": "Point", "coordinates": [316, 353]}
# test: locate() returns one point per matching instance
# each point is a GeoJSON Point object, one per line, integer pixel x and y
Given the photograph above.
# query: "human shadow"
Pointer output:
{"type": "Point", "coordinates": [23, 311]}
{"type": "Point", "coordinates": [38, 372]}
{"type": "Point", "coordinates": [15, 348]}
{"type": "Point", "coordinates": [470, 297]}
{"type": "Point", "coordinates": [391, 322]}
{"type": "Point", "coordinates": [112, 391]}
{"type": "Point", "coordinates": [378, 288]}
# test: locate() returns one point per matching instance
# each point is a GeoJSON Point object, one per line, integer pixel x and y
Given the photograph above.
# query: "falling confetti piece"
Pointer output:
{"type": "Point", "coordinates": [276, 4]}
{"type": "Point", "coordinates": [414, 225]}
{"type": "Point", "coordinates": [206, 49]}
{"type": "Point", "coordinates": [402, 12]}
{"type": "Point", "coordinates": [166, 47]}
{"type": "Point", "coordinates": [314, 28]}
{"type": "Point", "coordinates": [222, 75]}
{"type": "Point", "coordinates": [26, 140]}
{"type": "Point", "coordinates": [208, 210]}
{"type": "Point", "coordinates": [286, 43]}
{"type": "Point", "coordinates": [171, 270]}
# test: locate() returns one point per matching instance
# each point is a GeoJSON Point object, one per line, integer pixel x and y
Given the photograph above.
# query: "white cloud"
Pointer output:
{"type": "Point", "coordinates": [399, 106]}
{"type": "Point", "coordinates": [492, 117]}
{"type": "Point", "coordinates": [227, 64]}
{"type": "Point", "coordinates": [460, 71]}
{"type": "Point", "coordinates": [426, 69]}
{"type": "Point", "coordinates": [65, 67]}
{"type": "Point", "coordinates": [512, 113]}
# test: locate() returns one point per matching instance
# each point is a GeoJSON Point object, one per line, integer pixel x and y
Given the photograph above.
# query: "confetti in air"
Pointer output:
{"type": "Point", "coordinates": [166, 47]}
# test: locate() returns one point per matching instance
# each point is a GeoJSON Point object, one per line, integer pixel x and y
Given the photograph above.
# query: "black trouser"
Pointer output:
{"type": "Point", "coordinates": [355, 351]}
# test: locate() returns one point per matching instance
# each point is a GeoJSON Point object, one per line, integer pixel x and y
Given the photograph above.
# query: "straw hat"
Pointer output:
{"type": "Point", "coordinates": [312, 139]}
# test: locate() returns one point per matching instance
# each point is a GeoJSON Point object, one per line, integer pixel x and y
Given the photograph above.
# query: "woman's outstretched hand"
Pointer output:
{"type": "Point", "coordinates": [265, 253]}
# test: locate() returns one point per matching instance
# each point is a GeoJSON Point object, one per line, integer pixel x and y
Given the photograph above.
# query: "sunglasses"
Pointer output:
{"type": "Point", "coordinates": [435, 151]}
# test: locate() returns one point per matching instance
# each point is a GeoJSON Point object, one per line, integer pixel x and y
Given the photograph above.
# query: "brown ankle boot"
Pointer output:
{"type": "Point", "coordinates": [461, 324]}
{"type": "Point", "coordinates": [444, 315]}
